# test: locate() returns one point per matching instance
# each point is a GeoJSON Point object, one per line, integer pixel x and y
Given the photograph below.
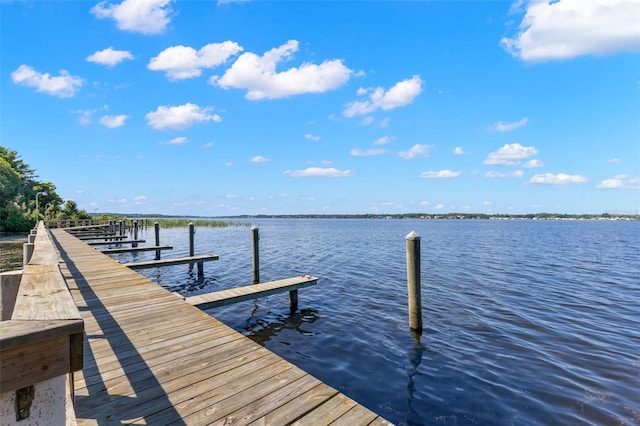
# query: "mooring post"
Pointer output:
{"type": "Point", "coordinates": [255, 252]}
{"type": "Point", "coordinates": [192, 231]}
{"type": "Point", "coordinates": [121, 228]}
{"type": "Point", "coordinates": [293, 301]}
{"type": "Point", "coordinates": [135, 233]}
{"type": "Point", "coordinates": [156, 228]}
{"type": "Point", "coordinates": [413, 281]}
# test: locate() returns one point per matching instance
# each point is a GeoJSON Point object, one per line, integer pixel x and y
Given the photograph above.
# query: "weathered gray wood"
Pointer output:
{"type": "Point", "coordinates": [192, 232]}
{"type": "Point", "coordinates": [171, 262]}
{"type": "Point", "coordinates": [131, 249]}
{"type": "Point", "coordinates": [156, 229]}
{"type": "Point", "coordinates": [413, 281]}
{"type": "Point", "coordinates": [17, 333]}
{"type": "Point", "coordinates": [250, 292]}
{"type": "Point", "coordinates": [9, 286]}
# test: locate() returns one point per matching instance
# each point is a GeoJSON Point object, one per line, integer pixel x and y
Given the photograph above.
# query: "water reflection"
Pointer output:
{"type": "Point", "coordinates": [262, 330]}
{"type": "Point", "coordinates": [415, 359]}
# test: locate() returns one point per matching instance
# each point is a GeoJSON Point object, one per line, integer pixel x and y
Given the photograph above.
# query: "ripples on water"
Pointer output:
{"type": "Point", "coordinates": [526, 322]}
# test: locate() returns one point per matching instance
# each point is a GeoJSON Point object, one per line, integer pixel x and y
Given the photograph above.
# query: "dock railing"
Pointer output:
{"type": "Point", "coordinates": [41, 340]}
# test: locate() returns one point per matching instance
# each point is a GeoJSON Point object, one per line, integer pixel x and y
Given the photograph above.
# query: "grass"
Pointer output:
{"type": "Point", "coordinates": [183, 223]}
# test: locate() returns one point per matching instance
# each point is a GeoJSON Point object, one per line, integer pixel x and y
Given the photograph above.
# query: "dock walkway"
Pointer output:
{"type": "Point", "coordinates": [152, 358]}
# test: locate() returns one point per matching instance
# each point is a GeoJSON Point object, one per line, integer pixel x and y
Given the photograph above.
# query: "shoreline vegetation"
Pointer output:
{"type": "Point", "coordinates": [175, 221]}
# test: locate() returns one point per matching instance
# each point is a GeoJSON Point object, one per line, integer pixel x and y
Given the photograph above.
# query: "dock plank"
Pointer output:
{"type": "Point", "coordinates": [171, 262]}
{"type": "Point", "coordinates": [152, 358]}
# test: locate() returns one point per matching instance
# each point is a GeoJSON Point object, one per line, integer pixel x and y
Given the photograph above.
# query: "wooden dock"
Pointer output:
{"type": "Point", "coordinates": [152, 358]}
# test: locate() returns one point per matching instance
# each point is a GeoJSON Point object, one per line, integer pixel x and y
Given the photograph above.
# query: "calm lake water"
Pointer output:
{"type": "Point", "coordinates": [526, 322]}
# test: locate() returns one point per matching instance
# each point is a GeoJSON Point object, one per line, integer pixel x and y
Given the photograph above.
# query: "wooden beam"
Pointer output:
{"type": "Point", "coordinates": [250, 292]}
{"type": "Point", "coordinates": [127, 250]}
{"type": "Point", "coordinates": [106, 243]}
{"type": "Point", "coordinates": [171, 262]}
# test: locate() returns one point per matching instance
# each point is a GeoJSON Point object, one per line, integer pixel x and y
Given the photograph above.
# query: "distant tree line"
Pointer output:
{"type": "Point", "coordinates": [18, 188]}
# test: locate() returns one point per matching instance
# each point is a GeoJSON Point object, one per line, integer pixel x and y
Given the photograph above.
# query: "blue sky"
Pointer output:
{"type": "Point", "coordinates": [218, 108]}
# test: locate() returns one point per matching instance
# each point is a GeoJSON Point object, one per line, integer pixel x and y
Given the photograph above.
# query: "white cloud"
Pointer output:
{"type": "Point", "coordinates": [258, 75]}
{"type": "Point", "coordinates": [259, 159]}
{"type": "Point", "coordinates": [510, 155]}
{"type": "Point", "coordinates": [366, 121]}
{"type": "Point", "coordinates": [180, 117]}
{"type": "Point", "coordinates": [503, 127]}
{"type": "Point", "coordinates": [438, 207]}
{"type": "Point", "coordinates": [556, 179]}
{"type": "Point", "coordinates": [312, 137]}
{"type": "Point", "coordinates": [614, 161]}
{"type": "Point", "coordinates": [564, 29]}
{"type": "Point", "coordinates": [486, 203]}
{"type": "Point", "coordinates": [208, 145]}
{"type": "Point", "coordinates": [441, 174]}
{"type": "Point", "coordinates": [113, 121]}
{"type": "Point", "coordinates": [620, 182]}
{"type": "Point", "coordinates": [356, 152]}
{"type": "Point", "coordinates": [515, 174]}
{"type": "Point", "coordinates": [531, 164]}
{"type": "Point", "coordinates": [401, 94]}
{"type": "Point", "coordinates": [384, 140]}
{"type": "Point", "coordinates": [459, 151]}
{"type": "Point", "coordinates": [140, 199]}
{"type": "Point", "coordinates": [64, 85]}
{"type": "Point", "coordinates": [142, 16]}
{"type": "Point", "coordinates": [109, 56]}
{"type": "Point", "coordinates": [319, 172]}
{"type": "Point", "coordinates": [182, 62]}
{"type": "Point", "coordinates": [221, 2]}
{"type": "Point", "coordinates": [416, 151]}
{"type": "Point", "coordinates": [180, 140]}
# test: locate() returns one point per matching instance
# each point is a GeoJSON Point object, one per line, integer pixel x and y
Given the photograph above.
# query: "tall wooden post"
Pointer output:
{"type": "Point", "coordinates": [255, 252]}
{"type": "Point", "coordinates": [135, 233]}
{"type": "Point", "coordinates": [192, 231]}
{"type": "Point", "coordinates": [121, 228]}
{"type": "Point", "coordinates": [156, 228]}
{"type": "Point", "coordinates": [413, 281]}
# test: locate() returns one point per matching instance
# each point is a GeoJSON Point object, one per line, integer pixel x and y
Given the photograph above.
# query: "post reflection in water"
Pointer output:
{"type": "Point", "coordinates": [415, 359]}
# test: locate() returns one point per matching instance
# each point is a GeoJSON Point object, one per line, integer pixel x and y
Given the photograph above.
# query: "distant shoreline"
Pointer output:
{"type": "Point", "coordinates": [428, 216]}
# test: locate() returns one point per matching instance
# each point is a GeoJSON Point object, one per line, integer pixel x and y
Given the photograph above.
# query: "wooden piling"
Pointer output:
{"type": "Point", "coordinates": [135, 233]}
{"type": "Point", "coordinates": [192, 231]}
{"type": "Point", "coordinates": [156, 228]}
{"type": "Point", "coordinates": [255, 252]}
{"type": "Point", "coordinates": [413, 281]}
{"type": "Point", "coordinates": [121, 227]}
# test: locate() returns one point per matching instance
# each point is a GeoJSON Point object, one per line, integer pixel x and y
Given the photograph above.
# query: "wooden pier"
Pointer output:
{"type": "Point", "coordinates": [153, 358]}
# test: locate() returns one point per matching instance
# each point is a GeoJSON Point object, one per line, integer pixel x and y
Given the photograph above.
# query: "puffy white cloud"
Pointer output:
{"type": "Point", "coordinates": [564, 29]}
{"type": "Point", "coordinates": [510, 155]}
{"type": "Point", "coordinates": [259, 159]}
{"type": "Point", "coordinates": [614, 161]}
{"type": "Point", "coordinates": [515, 174]}
{"type": "Point", "coordinates": [180, 117]}
{"type": "Point", "coordinates": [64, 85]}
{"type": "Point", "coordinates": [113, 121]}
{"type": "Point", "coordinates": [503, 127]}
{"type": "Point", "coordinates": [311, 137]}
{"type": "Point", "coordinates": [356, 152]}
{"type": "Point", "coordinates": [620, 182]}
{"type": "Point", "coordinates": [142, 16]}
{"type": "Point", "coordinates": [384, 140]}
{"type": "Point", "coordinates": [319, 172]}
{"type": "Point", "coordinates": [182, 62]}
{"type": "Point", "coordinates": [531, 164]}
{"type": "Point", "coordinates": [556, 179]}
{"type": "Point", "coordinates": [416, 151]}
{"type": "Point", "coordinates": [258, 75]}
{"type": "Point", "coordinates": [440, 174]}
{"type": "Point", "coordinates": [401, 94]}
{"type": "Point", "coordinates": [109, 56]}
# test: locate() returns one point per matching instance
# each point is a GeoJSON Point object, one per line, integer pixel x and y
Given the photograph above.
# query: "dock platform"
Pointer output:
{"type": "Point", "coordinates": [152, 358]}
